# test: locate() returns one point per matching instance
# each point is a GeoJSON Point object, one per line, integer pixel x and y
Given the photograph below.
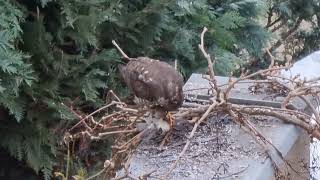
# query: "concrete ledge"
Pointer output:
{"type": "Point", "coordinates": [283, 137]}
{"type": "Point", "coordinates": [195, 89]}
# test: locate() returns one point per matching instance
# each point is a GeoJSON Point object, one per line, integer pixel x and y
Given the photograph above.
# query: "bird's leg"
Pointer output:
{"type": "Point", "coordinates": [169, 117]}
{"type": "Point", "coordinates": [170, 120]}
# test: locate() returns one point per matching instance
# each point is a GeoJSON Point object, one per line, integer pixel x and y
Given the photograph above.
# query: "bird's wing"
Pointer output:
{"type": "Point", "coordinates": [136, 80]}
{"type": "Point", "coordinates": [153, 81]}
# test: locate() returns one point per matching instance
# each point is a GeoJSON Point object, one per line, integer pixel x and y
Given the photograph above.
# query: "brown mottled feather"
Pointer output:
{"type": "Point", "coordinates": [154, 81]}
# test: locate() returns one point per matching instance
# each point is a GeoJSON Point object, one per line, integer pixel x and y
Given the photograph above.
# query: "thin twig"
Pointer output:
{"type": "Point", "coordinates": [176, 64]}
{"type": "Point", "coordinates": [78, 116]}
{"type": "Point", "coordinates": [93, 113]}
{"type": "Point", "coordinates": [271, 58]}
{"type": "Point", "coordinates": [232, 175]}
{"type": "Point", "coordinates": [100, 135]}
{"type": "Point", "coordinates": [68, 161]}
{"type": "Point", "coordinates": [203, 117]}
{"type": "Point", "coordinates": [114, 95]}
{"type": "Point", "coordinates": [120, 50]}
{"type": "Point", "coordinates": [97, 174]}
{"type": "Point", "coordinates": [231, 85]}
{"type": "Point", "coordinates": [207, 56]}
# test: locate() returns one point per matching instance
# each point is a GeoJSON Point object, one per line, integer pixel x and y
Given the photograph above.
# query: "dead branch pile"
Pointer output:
{"type": "Point", "coordinates": [122, 122]}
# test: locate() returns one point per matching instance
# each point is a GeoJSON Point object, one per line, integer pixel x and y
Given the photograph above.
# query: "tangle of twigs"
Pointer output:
{"type": "Point", "coordinates": [122, 122]}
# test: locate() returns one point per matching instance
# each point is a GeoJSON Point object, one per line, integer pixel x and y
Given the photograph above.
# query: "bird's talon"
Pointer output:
{"type": "Point", "coordinates": [170, 119]}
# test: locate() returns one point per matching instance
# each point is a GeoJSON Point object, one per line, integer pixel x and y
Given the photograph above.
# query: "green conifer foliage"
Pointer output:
{"type": "Point", "coordinates": [54, 53]}
{"type": "Point", "coordinates": [286, 17]}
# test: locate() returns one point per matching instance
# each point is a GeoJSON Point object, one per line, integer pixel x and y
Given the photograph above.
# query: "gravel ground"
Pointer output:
{"type": "Point", "coordinates": [219, 150]}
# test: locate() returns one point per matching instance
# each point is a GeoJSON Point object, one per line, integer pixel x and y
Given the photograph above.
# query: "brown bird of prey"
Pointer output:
{"type": "Point", "coordinates": [156, 84]}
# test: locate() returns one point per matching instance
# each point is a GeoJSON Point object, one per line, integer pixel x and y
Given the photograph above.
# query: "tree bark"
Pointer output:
{"type": "Point", "coordinates": [272, 23]}
{"type": "Point", "coordinates": [286, 35]}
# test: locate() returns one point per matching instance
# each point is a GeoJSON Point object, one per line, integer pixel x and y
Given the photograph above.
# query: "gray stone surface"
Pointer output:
{"type": "Point", "coordinates": [282, 135]}
{"type": "Point", "coordinates": [219, 144]}
{"type": "Point", "coordinates": [196, 87]}
{"type": "Point", "coordinates": [309, 68]}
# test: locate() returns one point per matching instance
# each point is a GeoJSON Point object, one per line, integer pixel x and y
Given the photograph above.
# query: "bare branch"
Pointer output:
{"type": "Point", "coordinates": [95, 112]}
{"type": "Point", "coordinates": [206, 55]}
{"type": "Point", "coordinates": [271, 58]}
{"type": "Point", "coordinates": [120, 50]}
{"type": "Point", "coordinates": [123, 122]}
